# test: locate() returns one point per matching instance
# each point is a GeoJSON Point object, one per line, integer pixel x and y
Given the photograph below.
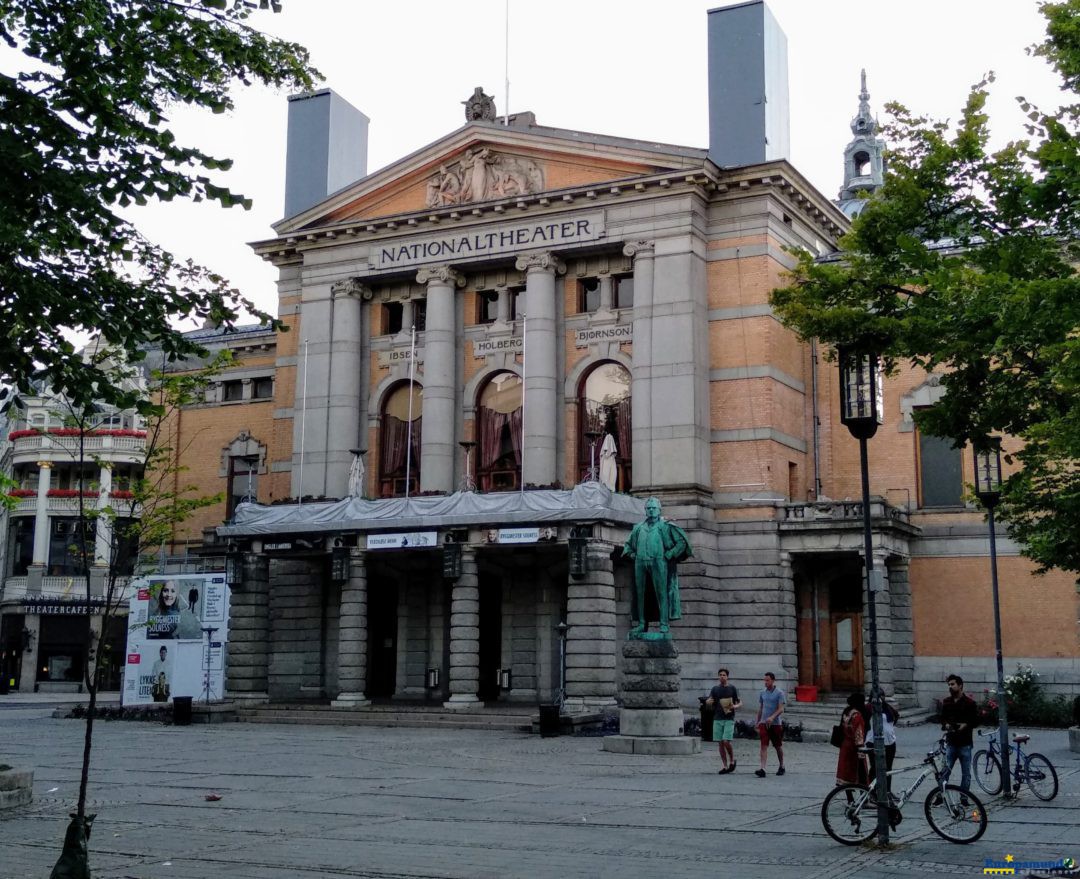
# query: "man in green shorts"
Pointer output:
{"type": "Point", "coordinates": [724, 699]}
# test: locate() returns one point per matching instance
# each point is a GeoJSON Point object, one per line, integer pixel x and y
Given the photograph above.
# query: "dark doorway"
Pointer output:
{"type": "Point", "coordinates": [490, 636]}
{"type": "Point", "coordinates": [382, 638]}
{"type": "Point", "coordinates": [11, 651]}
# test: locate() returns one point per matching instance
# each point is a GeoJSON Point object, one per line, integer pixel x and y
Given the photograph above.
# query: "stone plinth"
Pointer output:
{"type": "Point", "coordinates": [651, 720]}
{"type": "Point", "coordinates": [16, 787]}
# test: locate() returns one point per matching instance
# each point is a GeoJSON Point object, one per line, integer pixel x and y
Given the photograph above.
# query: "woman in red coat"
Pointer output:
{"type": "Point", "coordinates": [852, 766]}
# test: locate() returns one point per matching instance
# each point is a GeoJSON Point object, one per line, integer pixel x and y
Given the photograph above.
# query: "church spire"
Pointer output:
{"type": "Point", "coordinates": [864, 158]}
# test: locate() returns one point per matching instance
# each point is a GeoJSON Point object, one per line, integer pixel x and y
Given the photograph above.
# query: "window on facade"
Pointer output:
{"type": "Point", "coordinates": [20, 545]}
{"type": "Point", "coordinates": [125, 546]}
{"type": "Point", "coordinates": [624, 291]}
{"type": "Point", "coordinates": [498, 462]}
{"type": "Point", "coordinates": [70, 541]}
{"type": "Point", "coordinates": [862, 164]}
{"type": "Point", "coordinates": [487, 306]}
{"type": "Point", "coordinates": [399, 441]}
{"type": "Point", "coordinates": [517, 298]}
{"type": "Point", "coordinates": [391, 318]}
{"type": "Point", "coordinates": [941, 478]}
{"type": "Point", "coordinates": [420, 314]}
{"type": "Point", "coordinates": [604, 411]}
{"type": "Point", "coordinates": [231, 392]}
{"type": "Point", "coordinates": [243, 485]}
{"type": "Point", "coordinates": [262, 388]}
{"type": "Point", "coordinates": [588, 294]}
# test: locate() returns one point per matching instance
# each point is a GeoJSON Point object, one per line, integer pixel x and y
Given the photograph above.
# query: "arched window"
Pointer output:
{"type": "Point", "coordinates": [394, 441]}
{"type": "Point", "coordinates": [604, 410]}
{"type": "Point", "coordinates": [498, 462]}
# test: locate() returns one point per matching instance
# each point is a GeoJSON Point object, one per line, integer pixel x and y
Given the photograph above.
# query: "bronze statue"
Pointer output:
{"type": "Point", "coordinates": [656, 546]}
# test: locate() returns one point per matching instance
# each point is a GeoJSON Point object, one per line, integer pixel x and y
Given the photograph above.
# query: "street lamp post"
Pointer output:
{"type": "Point", "coordinates": [861, 412]}
{"type": "Point", "coordinates": [988, 491]}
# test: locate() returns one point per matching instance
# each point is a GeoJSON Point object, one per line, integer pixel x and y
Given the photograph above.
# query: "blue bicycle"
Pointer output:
{"type": "Point", "coordinates": [1034, 770]}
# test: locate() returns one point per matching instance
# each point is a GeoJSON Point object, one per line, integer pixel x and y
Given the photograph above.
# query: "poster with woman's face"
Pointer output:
{"type": "Point", "coordinates": [173, 609]}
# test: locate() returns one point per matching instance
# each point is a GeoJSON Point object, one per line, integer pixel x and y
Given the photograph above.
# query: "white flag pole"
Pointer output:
{"type": "Point", "coordinates": [524, 319]}
{"type": "Point", "coordinates": [408, 441]}
{"type": "Point", "coordinates": [303, 428]}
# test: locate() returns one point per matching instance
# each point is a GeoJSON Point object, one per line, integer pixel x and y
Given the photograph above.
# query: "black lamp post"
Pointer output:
{"type": "Point", "coordinates": [861, 412]}
{"type": "Point", "coordinates": [988, 491]}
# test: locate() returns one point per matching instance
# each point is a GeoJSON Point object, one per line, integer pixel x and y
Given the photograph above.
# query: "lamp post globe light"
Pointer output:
{"type": "Point", "coordinates": [862, 411]}
{"type": "Point", "coordinates": [987, 457]}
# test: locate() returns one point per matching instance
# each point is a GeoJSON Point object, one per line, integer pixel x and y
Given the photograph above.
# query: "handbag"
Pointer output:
{"type": "Point", "coordinates": [837, 737]}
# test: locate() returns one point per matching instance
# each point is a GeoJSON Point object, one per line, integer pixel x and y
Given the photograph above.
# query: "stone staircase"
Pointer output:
{"type": "Point", "coordinates": [819, 717]}
{"type": "Point", "coordinates": [499, 717]}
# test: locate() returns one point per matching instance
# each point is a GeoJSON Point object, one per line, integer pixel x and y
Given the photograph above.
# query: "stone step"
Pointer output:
{"type": "Point", "coordinates": [381, 716]}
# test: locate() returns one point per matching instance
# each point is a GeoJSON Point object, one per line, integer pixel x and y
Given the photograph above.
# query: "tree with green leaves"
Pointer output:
{"type": "Point", "coordinates": [965, 264]}
{"type": "Point", "coordinates": [84, 132]}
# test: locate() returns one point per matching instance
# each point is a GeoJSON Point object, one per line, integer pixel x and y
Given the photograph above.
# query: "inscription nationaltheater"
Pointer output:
{"type": "Point", "coordinates": [480, 244]}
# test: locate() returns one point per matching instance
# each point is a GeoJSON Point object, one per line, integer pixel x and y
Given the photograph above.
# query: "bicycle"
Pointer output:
{"type": "Point", "coordinates": [1033, 769]}
{"type": "Point", "coordinates": [849, 812]}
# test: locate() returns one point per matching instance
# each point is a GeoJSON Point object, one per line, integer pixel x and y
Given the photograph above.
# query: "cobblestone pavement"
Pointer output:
{"type": "Point", "coordinates": [319, 802]}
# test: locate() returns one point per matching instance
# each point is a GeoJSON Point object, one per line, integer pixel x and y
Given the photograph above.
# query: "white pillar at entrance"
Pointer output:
{"type": "Point", "coordinates": [540, 368]}
{"type": "Point", "coordinates": [41, 515]}
{"type": "Point", "coordinates": [353, 636]}
{"type": "Point", "coordinates": [641, 386]}
{"type": "Point", "coordinates": [465, 635]}
{"type": "Point", "coordinates": [103, 526]}
{"type": "Point", "coordinates": [437, 446]}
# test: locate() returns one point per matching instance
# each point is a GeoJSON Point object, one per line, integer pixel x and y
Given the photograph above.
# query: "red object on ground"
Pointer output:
{"type": "Point", "coordinates": [806, 693]}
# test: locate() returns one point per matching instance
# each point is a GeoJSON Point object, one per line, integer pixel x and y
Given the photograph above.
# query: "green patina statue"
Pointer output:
{"type": "Point", "coordinates": [656, 546]}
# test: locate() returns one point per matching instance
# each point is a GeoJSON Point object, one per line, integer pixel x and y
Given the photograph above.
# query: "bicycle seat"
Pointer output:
{"type": "Point", "coordinates": [1021, 739]}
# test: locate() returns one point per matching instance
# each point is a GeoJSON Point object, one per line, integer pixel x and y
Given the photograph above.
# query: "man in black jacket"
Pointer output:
{"type": "Point", "coordinates": [959, 716]}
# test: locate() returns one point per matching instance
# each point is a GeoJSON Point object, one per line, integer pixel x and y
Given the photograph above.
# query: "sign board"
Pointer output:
{"type": "Point", "coordinates": [521, 535]}
{"type": "Point", "coordinates": [178, 629]}
{"type": "Point", "coordinates": [403, 540]}
{"type": "Point", "coordinates": [613, 333]}
{"type": "Point", "coordinates": [62, 606]}
{"type": "Point", "coordinates": [399, 355]}
{"type": "Point", "coordinates": [485, 347]}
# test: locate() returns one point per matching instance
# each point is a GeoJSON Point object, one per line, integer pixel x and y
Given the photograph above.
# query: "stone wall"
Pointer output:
{"type": "Point", "coordinates": [296, 620]}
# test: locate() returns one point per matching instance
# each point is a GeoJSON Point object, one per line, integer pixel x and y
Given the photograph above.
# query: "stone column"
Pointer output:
{"type": "Point", "coordinates": [607, 289]}
{"type": "Point", "coordinates": [465, 635]}
{"type": "Point", "coordinates": [641, 386]}
{"type": "Point", "coordinates": [540, 368]}
{"type": "Point", "coordinates": [902, 627]}
{"type": "Point", "coordinates": [440, 385]}
{"type": "Point", "coordinates": [103, 525]}
{"type": "Point", "coordinates": [41, 515]}
{"type": "Point", "coordinates": [353, 636]}
{"type": "Point", "coordinates": [590, 636]}
{"type": "Point", "coordinates": [343, 394]}
{"type": "Point", "coordinates": [28, 671]}
{"type": "Point", "coordinates": [249, 632]}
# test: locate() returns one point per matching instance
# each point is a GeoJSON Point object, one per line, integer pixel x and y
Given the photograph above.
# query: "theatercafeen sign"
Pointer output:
{"type": "Point", "coordinates": [62, 607]}
{"type": "Point", "coordinates": [511, 238]}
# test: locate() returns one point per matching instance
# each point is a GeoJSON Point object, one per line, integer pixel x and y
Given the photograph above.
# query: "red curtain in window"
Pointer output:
{"type": "Point", "coordinates": [394, 442]}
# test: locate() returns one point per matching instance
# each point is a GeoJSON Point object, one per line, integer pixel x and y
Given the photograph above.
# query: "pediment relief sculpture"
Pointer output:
{"type": "Point", "coordinates": [481, 174]}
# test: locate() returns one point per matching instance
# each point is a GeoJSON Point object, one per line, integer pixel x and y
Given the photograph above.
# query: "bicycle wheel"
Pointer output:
{"type": "Point", "coordinates": [955, 814]}
{"type": "Point", "coordinates": [987, 771]}
{"type": "Point", "coordinates": [849, 814]}
{"type": "Point", "coordinates": [1040, 777]}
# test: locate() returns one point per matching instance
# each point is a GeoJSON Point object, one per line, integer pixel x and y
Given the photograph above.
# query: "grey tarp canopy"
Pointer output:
{"type": "Point", "coordinates": [587, 502]}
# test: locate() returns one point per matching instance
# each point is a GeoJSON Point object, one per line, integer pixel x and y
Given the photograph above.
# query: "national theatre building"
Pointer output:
{"type": "Point", "coordinates": [502, 344]}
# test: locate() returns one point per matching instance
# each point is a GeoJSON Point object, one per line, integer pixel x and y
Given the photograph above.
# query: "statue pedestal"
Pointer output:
{"type": "Point", "coordinates": [651, 718]}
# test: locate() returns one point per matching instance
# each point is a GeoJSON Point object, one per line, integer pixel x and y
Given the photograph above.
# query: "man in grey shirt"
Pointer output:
{"type": "Point", "coordinates": [769, 722]}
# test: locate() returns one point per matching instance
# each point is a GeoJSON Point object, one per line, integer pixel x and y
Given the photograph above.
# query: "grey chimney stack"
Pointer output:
{"type": "Point", "coordinates": [748, 86]}
{"type": "Point", "coordinates": [326, 148]}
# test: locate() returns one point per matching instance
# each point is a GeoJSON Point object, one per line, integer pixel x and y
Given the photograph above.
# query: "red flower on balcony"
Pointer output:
{"type": "Point", "coordinates": [22, 492]}
{"type": "Point", "coordinates": [121, 494]}
{"type": "Point", "coordinates": [70, 492]}
{"type": "Point", "coordinates": [74, 431]}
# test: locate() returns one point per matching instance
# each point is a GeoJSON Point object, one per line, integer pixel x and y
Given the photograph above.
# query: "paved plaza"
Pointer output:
{"type": "Point", "coordinates": [316, 802]}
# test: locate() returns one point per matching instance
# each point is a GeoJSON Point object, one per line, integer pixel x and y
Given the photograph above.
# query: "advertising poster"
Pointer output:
{"type": "Point", "coordinates": [178, 627]}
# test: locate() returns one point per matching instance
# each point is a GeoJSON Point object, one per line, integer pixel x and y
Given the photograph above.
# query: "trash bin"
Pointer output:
{"type": "Point", "coordinates": [549, 721]}
{"type": "Point", "coordinates": [707, 714]}
{"type": "Point", "coordinates": [181, 711]}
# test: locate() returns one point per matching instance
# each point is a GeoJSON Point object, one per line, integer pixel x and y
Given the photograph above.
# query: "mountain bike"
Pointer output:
{"type": "Point", "coordinates": [849, 812]}
{"type": "Point", "coordinates": [1034, 770]}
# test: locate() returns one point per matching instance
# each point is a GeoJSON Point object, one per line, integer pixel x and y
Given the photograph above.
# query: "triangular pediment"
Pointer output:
{"type": "Point", "coordinates": [484, 162]}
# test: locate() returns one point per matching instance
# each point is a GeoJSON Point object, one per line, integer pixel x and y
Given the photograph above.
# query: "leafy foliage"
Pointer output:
{"type": "Point", "coordinates": [964, 264]}
{"type": "Point", "coordinates": [83, 133]}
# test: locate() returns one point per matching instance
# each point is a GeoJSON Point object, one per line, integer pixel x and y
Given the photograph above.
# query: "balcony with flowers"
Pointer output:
{"type": "Point", "coordinates": [63, 444]}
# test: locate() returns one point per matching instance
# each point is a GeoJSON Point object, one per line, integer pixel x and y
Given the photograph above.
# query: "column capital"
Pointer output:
{"type": "Point", "coordinates": [44, 465]}
{"type": "Point", "coordinates": [350, 287]}
{"type": "Point", "coordinates": [445, 275]}
{"type": "Point", "coordinates": [640, 249]}
{"type": "Point", "coordinates": [540, 262]}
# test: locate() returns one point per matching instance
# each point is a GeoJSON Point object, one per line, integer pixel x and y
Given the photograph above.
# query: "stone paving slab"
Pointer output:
{"type": "Point", "coordinates": [320, 802]}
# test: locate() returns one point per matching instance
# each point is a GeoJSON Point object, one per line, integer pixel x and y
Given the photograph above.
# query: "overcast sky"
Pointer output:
{"type": "Point", "coordinates": [628, 68]}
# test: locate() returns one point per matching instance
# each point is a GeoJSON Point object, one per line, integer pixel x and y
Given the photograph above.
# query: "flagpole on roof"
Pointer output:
{"type": "Point", "coordinates": [303, 430]}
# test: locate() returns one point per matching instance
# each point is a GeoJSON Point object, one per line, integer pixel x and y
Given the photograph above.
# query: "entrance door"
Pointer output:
{"type": "Point", "coordinates": [382, 639]}
{"type": "Point", "coordinates": [847, 660]}
{"type": "Point", "coordinates": [490, 636]}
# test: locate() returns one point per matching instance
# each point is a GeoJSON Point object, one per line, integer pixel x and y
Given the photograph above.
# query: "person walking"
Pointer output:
{"type": "Point", "coordinates": [959, 716]}
{"type": "Point", "coordinates": [769, 722]}
{"type": "Point", "coordinates": [851, 764]}
{"type": "Point", "coordinates": [724, 699]}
